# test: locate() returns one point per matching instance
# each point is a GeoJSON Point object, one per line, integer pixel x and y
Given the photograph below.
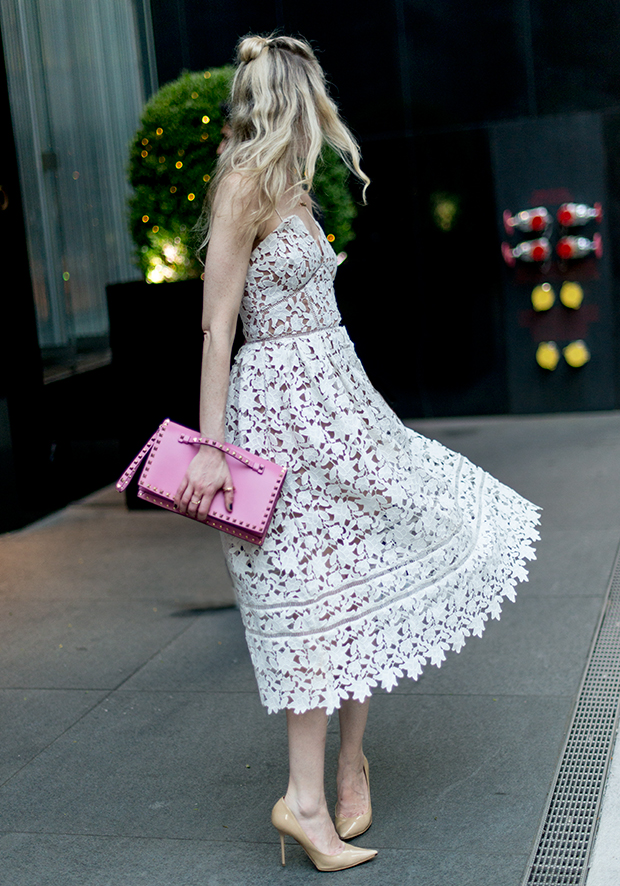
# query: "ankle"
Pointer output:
{"type": "Point", "coordinates": [304, 805]}
{"type": "Point", "coordinates": [351, 759]}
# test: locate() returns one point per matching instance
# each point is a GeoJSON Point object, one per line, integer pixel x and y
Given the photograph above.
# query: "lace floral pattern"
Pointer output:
{"type": "Point", "coordinates": [386, 549]}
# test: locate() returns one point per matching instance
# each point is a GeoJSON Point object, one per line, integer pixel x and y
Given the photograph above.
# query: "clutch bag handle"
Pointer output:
{"type": "Point", "coordinates": [124, 481]}
{"type": "Point", "coordinates": [225, 448]}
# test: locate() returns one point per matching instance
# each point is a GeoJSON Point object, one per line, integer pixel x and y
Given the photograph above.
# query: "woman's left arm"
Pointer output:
{"type": "Point", "coordinates": [226, 267]}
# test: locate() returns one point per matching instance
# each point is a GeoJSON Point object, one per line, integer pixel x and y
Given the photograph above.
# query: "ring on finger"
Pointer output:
{"type": "Point", "coordinates": [195, 501]}
{"type": "Point", "coordinates": [228, 488]}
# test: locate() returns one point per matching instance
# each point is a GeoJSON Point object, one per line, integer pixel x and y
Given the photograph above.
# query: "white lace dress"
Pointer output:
{"type": "Point", "coordinates": [386, 549]}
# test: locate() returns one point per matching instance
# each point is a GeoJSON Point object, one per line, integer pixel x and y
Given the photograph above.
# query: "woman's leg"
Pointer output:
{"type": "Point", "coordinates": [351, 782]}
{"type": "Point", "coordinates": [305, 796]}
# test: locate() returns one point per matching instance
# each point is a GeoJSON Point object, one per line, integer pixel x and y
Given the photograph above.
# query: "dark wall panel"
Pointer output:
{"type": "Point", "coordinates": [356, 43]}
{"type": "Point", "coordinates": [466, 60]}
{"type": "Point", "coordinates": [452, 302]}
{"type": "Point", "coordinates": [576, 55]}
{"type": "Point", "coordinates": [547, 162]}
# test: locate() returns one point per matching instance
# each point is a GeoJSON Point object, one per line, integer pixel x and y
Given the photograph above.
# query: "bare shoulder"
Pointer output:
{"type": "Point", "coordinates": [233, 230]}
{"type": "Point", "coordinates": [236, 199]}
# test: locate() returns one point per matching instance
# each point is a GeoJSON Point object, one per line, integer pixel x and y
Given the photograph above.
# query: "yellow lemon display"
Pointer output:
{"type": "Point", "coordinates": [543, 297]}
{"type": "Point", "coordinates": [547, 355]}
{"type": "Point", "coordinates": [576, 353]}
{"type": "Point", "coordinates": [571, 295]}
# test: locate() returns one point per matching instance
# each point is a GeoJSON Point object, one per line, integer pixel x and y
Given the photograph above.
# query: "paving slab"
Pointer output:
{"type": "Point", "coordinates": [70, 645]}
{"type": "Point", "coordinates": [160, 764]}
{"type": "Point", "coordinates": [572, 563]}
{"type": "Point", "coordinates": [33, 719]}
{"type": "Point", "coordinates": [110, 553]}
{"type": "Point", "coordinates": [211, 655]}
{"type": "Point", "coordinates": [432, 757]}
{"type": "Point", "coordinates": [156, 764]}
{"type": "Point", "coordinates": [115, 861]}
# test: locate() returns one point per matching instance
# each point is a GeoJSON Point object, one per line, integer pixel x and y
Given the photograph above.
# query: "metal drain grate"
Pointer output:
{"type": "Point", "coordinates": [566, 835]}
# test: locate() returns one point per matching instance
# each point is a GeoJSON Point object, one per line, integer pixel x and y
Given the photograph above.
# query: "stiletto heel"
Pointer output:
{"type": "Point", "coordinates": [285, 823]}
{"type": "Point", "coordinates": [282, 848]}
{"type": "Point", "coordinates": [347, 828]}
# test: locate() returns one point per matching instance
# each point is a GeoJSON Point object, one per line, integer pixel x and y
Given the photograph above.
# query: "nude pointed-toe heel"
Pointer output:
{"type": "Point", "coordinates": [285, 822]}
{"type": "Point", "coordinates": [347, 828]}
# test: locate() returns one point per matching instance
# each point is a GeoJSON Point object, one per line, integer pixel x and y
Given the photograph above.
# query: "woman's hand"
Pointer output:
{"type": "Point", "coordinates": [206, 475]}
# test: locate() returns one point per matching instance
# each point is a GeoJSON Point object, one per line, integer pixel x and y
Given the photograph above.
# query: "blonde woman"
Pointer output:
{"type": "Point", "coordinates": [385, 548]}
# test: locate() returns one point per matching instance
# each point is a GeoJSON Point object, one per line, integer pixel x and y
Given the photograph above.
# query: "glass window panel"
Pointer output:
{"type": "Point", "coordinates": [76, 83]}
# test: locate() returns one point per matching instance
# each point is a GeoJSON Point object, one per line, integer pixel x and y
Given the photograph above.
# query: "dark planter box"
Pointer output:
{"type": "Point", "coordinates": [156, 341]}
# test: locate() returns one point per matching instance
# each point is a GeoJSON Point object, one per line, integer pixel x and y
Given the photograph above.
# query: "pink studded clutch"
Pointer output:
{"type": "Point", "coordinates": [257, 481]}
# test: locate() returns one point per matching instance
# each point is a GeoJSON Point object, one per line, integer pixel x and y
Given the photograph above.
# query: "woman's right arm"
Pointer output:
{"type": "Point", "coordinates": [226, 267]}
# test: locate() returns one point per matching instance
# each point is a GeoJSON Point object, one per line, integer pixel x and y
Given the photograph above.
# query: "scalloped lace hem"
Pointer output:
{"type": "Point", "coordinates": [400, 640]}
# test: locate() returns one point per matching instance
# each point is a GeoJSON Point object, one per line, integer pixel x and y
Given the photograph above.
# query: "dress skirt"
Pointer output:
{"type": "Point", "coordinates": [386, 549]}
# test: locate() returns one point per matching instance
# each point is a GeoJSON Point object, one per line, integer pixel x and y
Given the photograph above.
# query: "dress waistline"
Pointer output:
{"type": "Point", "coordinates": [285, 335]}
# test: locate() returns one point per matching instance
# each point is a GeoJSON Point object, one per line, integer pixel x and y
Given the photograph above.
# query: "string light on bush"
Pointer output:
{"type": "Point", "coordinates": [206, 119]}
{"type": "Point", "coordinates": [191, 197]}
{"type": "Point", "coordinates": [171, 252]}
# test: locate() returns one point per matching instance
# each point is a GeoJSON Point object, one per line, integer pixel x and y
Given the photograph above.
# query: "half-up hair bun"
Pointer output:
{"type": "Point", "coordinates": [281, 115]}
{"type": "Point", "coordinates": [297, 47]}
{"type": "Point", "coordinates": [250, 48]}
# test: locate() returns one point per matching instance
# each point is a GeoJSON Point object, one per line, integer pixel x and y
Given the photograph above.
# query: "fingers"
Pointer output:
{"type": "Point", "coordinates": [195, 503]}
{"type": "Point", "coordinates": [202, 510]}
{"type": "Point", "coordinates": [195, 500]}
{"type": "Point", "coordinates": [229, 496]}
{"type": "Point", "coordinates": [179, 493]}
{"type": "Point", "coordinates": [189, 501]}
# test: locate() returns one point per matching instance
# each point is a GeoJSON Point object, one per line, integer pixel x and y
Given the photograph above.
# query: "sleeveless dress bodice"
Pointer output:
{"type": "Point", "coordinates": [289, 287]}
{"type": "Point", "coordinates": [386, 549]}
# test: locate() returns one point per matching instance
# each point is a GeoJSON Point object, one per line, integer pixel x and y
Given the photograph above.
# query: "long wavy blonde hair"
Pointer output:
{"type": "Point", "coordinates": [281, 116]}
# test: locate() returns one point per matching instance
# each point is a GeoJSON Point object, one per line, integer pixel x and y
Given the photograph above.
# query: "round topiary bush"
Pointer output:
{"type": "Point", "coordinates": [172, 157]}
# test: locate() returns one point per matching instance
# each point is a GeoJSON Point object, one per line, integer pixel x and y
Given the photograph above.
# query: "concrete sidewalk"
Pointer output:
{"type": "Point", "coordinates": [133, 747]}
